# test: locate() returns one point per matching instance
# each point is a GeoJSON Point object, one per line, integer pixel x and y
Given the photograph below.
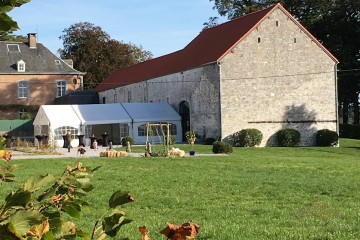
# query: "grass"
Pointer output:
{"type": "Point", "coordinates": [254, 193]}
{"type": "Point", "coordinates": [199, 148]}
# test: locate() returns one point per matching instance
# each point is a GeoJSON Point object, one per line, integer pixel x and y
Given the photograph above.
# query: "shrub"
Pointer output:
{"type": "Point", "coordinates": [2, 143]}
{"type": "Point", "coordinates": [127, 139]}
{"type": "Point", "coordinates": [209, 141]}
{"type": "Point", "coordinates": [349, 131]}
{"type": "Point", "coordinates": [288, 137]}
{"type": "Point", "coordinates": [221, 147]}
{"type": "Point", "coordinates": [247, 137]}
{"type": "Point", "coordinates": [326, 137]}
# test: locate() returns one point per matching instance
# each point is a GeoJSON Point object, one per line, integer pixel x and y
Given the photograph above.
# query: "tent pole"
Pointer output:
{"type": "Point", "coordinates": [147, 133]}
{"type": "Point", "coordinates": [168, 137]}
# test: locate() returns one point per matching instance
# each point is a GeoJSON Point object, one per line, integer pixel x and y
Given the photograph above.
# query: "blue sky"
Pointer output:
{"type": "Point", "coordinates": [161, 26]}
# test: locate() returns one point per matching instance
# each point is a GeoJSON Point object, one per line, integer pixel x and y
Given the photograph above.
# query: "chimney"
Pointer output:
{"type": "Point", "coordinates": [32, 40]}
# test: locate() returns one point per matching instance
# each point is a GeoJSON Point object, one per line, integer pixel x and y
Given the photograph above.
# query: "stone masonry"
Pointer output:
{"type": "Point", "coordinates": [275, 77]}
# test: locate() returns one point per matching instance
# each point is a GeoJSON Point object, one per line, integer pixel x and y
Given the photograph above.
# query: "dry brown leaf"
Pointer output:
{"type": "Point", "coordinates": [5, 155]}
{"type": "Point", "coordinates": [56, 198]}
{"type": "Point", "coordinates": [144, 233]}
{"type": "Point", "coordinates": [185, 231]}
{"type": "Point", "coordinates": [39, 230]}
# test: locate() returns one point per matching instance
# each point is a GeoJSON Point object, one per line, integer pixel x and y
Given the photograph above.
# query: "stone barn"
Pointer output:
{"type": "Point", "coordinates": [263, 70]}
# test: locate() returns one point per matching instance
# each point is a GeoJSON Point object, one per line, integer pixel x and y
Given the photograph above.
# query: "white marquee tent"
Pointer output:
{"type": "Point", "coordinates": [117, 120]}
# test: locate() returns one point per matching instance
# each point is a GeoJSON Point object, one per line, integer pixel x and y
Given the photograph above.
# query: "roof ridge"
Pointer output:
{"type": "Point", "coordinates": [245, 15]}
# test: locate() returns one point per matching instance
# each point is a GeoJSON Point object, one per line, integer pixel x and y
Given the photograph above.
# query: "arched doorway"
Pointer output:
{"type": "Point", "coordinates": [184, 112]}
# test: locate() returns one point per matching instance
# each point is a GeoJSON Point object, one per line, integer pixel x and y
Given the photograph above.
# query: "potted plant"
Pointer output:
{"type": "Point", "coordinates": [191, 138]}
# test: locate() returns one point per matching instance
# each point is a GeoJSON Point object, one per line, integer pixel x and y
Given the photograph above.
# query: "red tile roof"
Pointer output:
{"type": "Point", "coordinates": [209, 46]}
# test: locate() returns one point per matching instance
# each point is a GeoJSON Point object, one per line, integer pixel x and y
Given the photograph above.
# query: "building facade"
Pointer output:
{"type": "Point", "coordinates": [30, 75]}
{"type": "Point", "coordinates": [263, 70]}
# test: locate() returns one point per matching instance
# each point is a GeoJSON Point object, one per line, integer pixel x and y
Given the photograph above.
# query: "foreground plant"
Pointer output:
{"type": "Point", "coordinates": [26, 216]}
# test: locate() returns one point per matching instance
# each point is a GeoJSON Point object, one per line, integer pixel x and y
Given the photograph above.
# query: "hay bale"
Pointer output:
{"type": "Point", "coordinates": [113, 153]}
{"type": "Point", "coordinates": [176, 152]}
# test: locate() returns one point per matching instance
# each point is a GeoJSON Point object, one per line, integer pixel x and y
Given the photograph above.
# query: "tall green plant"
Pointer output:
{"type": "Point", "coordinates": [27, 215]}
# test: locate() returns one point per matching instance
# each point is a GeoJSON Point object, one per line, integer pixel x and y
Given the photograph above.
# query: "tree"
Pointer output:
{"type": "Point", "coordinates": [335, 23]}
{"type": "Point", "coordinates": [212, 22]}
{"type": "Point", "coordinates": [8, 36]}
{"type": "Point", "coordinates": [6, 22]}
{"type": "Point", "coordinates": [94, 52]}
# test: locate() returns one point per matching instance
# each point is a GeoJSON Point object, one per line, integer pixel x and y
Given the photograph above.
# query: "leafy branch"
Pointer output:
{"type": "Point", "coordinates": [25, 215]}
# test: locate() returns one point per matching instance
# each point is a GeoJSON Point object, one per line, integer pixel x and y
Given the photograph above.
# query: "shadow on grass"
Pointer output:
{"type": "Point", "coordinates": [336, 150]}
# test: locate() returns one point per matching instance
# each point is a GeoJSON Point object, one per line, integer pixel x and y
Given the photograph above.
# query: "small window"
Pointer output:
{"type": "Point", "coordinates": [129, 96]}
{"type": "Point", "coordinates": [60, 88]}
{"type": "Point", "coordinates": [21, 66]}
{"type": "Point", "coordinates": [23, 89]}
{"type": "Point", "coordinates": [277, 23]}
{"type": "Point", "coordinates": [22, 112]}
{"type": "Point", "coordinates": [115, 98]}
{"type": "Point", "coordinates": [13, 48]}
{"type": "Point", "coordinates": [294, 40]}
{"type": "Point", "coordinates": [61, 131]}
{"type": "Point", "coordinates": [58, 64]}
{"type": "Point", "coordinates": [104, 100]}
{"type": "Point", "coordinates": [259, 40]}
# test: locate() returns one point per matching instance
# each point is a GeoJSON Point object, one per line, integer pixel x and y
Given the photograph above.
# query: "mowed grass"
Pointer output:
{"type": "Point", "coordinates": [254, 193]}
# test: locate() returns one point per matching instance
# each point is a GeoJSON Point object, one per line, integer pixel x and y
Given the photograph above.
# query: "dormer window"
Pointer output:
{"type": "Point", "coordinates": [21, 66]}
{"type": "Point", "coordinates": [13, 48]}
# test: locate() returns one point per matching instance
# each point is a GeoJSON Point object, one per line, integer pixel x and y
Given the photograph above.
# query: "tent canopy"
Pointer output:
{"type": "Point", "coordinates": [151, 112]}
{"type": "Point", "coordinates": [57, 115]}
{"type": "Point", "coordinates": [94, 114]}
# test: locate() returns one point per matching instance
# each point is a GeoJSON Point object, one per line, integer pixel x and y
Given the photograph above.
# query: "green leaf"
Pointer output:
{"type": "Point", "coordinates": [56, 226]}
{"type": "Point", "coordinates": [35, 182]}
{"type": "Point", "coordinates": [47, 194]}
{"type": "Point", "coordinates": [71, 208]}
{"type": "Point", "coordinates": [87, 187]}
{"type": "Point", "coordinates": [6, 23]}
{"type": "Point", "coordinates": [48, 236]}
{"type": "Point", "coordinates": [119, 198]}
{"type": "Point", "coordinates": [112, 224]}
{"type": "Point", "coordinates": [18, 199]}
{"type": "Point", "coordinates": [21, 221]}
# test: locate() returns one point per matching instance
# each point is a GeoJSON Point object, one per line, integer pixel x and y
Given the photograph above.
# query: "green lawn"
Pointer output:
{"type": "Point", "coordinates": [254, 193]}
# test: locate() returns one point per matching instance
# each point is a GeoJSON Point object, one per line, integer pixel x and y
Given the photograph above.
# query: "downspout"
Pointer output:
{"type": "Point", "coordinates": [220, 118]}
{"type": "Point", "coordinates": [337, 100]}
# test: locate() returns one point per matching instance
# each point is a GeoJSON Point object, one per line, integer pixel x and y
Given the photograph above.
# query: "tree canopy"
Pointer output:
{"type": "Point", "coordinates": [6, 22]}
{"type": "Point", "coordinates": [335, 23]}
{"type": "Point", "coordinates": [9, 36]}
{"type": "Point", "coordinates": [94, 52]}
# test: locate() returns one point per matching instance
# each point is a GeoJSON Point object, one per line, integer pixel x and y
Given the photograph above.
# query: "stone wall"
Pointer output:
{"type": "Point", "coordinates": [277, 77]}
{"type": "Point", "coordinates": [199, 87]}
